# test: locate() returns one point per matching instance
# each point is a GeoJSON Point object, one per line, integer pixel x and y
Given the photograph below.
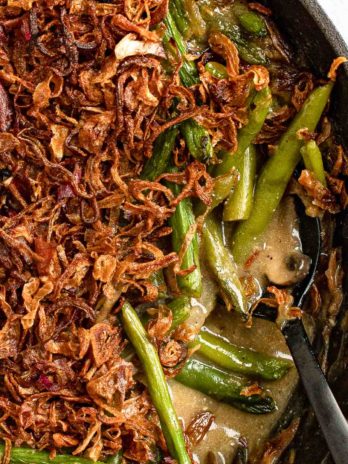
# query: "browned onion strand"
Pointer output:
{"type": "Point", "coordinates": [80, 111]}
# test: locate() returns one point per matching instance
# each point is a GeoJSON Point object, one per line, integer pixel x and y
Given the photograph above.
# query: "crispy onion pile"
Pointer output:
{"type": "Point", "coordinates": [83, 97]}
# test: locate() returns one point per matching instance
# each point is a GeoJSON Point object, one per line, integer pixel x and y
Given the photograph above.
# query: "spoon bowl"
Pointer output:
{"type": "Point", "coordinates": [330, 417]}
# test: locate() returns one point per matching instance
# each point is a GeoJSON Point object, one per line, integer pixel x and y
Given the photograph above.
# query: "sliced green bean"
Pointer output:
{"type": "Point", "coordinates": [197, 24]}
{"type": "Point", "coordinates": [32, 456]}
{"type": "Point", "coordinates": [180, 18]}
{"type": "Point", "coordinates": [162, 152]}
{"type": "Point", "coordinates": [223, 187]}
{"type": "Point", "coordinates": [156, 384]}
{"type": "Point", "coordinates": [239, 203]}
{"type": "Point", "coordinates": [197, 140]}
{"type": "Point", "coordinates": [257, 114]}
{"type": "Point", "coordinates": [217, 70]}
{"type": "Point", "coordinates": [222, 266]}
{"type": "Point", "coordinates": [157, 279]}
{"type": "Point", "coordinates": [242, 360]}
{"type": "Point", "coordinates": [246, 135]}
{"type": "Point", "coordinates": [181, 309]}
{"type": "Point", "coordinates": [313, 160]}
{"type": "Point", "coordinates": [252, 53]}
{"type": "Point", "coordinates": [251, 21]}
{"type": "Point", "coordinates": [197, 137]}
{"type": "Point", "coordinates": [276, 174]}
{"type": "Point", "coordinates": [188, 70]}
{"type": "Point", "coordinates": [181, 221]}
{"type": "Point", "coordinates": [223, 386]}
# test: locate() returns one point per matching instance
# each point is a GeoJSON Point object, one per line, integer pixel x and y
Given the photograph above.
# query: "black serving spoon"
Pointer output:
{"type": "Point", "coordinates": [330, 417]}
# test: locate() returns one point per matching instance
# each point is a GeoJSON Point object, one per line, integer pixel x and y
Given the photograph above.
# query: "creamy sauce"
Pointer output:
{"type": "Point", "coordinates": [279, 242]}
{"type": "Point", "coordinates": [230, 423]}
{"type": "Point", "coordinates": [203, 306]}
{"type": "Point", "coordinates": [279, 258]}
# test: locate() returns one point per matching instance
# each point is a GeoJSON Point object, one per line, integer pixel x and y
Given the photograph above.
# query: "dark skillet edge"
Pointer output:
{"type": "Point", "coordinates": [312, 34]}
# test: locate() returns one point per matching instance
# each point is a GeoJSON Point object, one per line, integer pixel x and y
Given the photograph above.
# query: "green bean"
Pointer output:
{"type": "Point", "coordinates": [217, 70]}
{"type": "Point", "coordinates": [188, 71]}
{"type": "Point", "coordinates": [240, 201]}
{"type": "Point", "coordinates": [180, 18]}
{"type": "Point", "coordinates": [162, 151]}
{"type": "Point", "coordinates": [197, 140]}
{"type": "Point", "coordinates": [197, 24]}
{"type": "Point", "coordinates": [250, 21]}
{"type": "Point", "coordinates": [246, 135]}
{"type": "Point", "coordinates": [157, 279]}
{"type": "Point", "coordinates": [180, 308]}
{"type": "Point", "coordinates": [223, 386]}
{"type": "Point", "coordinates": [32, 456]}
{"type": "Point", "coordinates": [257, 114]}
{"type": "Point", "coordinates": [251, 53]}
{"type": "Point", "coordinates": [313, 160]}
{"type": "Point", "coordinates": [226, 23]}
{"type": "Point", "coordinates": [224, 185]}
{"type": "Point", "coordinates": [248, 51]}
{"type": "Point", "coordinates": [276, 174]}
{"type": "Point", "coordinates": [181, 221]}
{"type": "Point", "coordinates": [156, 384]}
{"type": "Point", "coordinates": [242, 360]}
{"type": "Point", "coordinates": [222, 266]}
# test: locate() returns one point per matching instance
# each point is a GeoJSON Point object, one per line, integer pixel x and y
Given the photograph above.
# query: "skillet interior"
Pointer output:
{"type": "Point", "coordinates": [311, 33]}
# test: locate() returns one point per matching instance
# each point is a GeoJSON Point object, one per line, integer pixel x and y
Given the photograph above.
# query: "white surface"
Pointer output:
{"type": "Point", "coordinates": [337, 10]}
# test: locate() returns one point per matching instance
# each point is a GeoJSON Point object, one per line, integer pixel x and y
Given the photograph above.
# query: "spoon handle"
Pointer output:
{"type": "Point", "coordinates": [330, 417]}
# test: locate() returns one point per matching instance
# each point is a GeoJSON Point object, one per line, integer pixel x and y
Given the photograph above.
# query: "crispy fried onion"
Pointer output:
{"type": "Point", "coordinates": [277, 445]}
{"type": "Point", "coordinates": [83, 97]}
{"type": "Point", "coordinates": [228, 97]}
{"type": "Point", "coordinates": [282, 301]}
{"type": "Point", "coordinates": [332, 74]}
{"type": "Point", "coordinates": [321, 196]}
{"type": "Point", "coordinates": [199, 427]}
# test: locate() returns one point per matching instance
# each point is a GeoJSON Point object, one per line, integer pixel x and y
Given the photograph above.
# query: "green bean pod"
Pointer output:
{"type": "Point", "coordinates": [217, 70]}
{"type": "Point", "coordinates": [224, 186]}
{"type": "Point", "coordinates": [222, 266]}
{"type": "Point", "coordinates": [162, 152]}
{"type": "Point", "coordinates": [246, 135]}
{"type": "Point", "coordinates": [223, 386]}
{"type": "Point", "coordinates": [313, 160]}
{"type": "Point", "coordinates": [250, 21]}
{"type": "Point", "coordinates": [252, 54]}
{"type": "Point", "coordinates": [188, 71]}
{"type": "Point", "coordinates": [197, 140]}
{"type": "Point", "coordinates": [32, 456]}
{"type": "Point", "coordinates": [157, 279]}
{"type": "Point", "coordinates": [257, 114]}
{"type": "Point", "coordinates": [156, 384]}
{"type": "Point", "coordinates": [276, 174]}
{"type": "Point", "coordinates": [197, 137]}
{"type": "Point", "coordinates": [197, 24]}
{"type": "Point", "coordinates": [181, 221]}
{"type": "Point", "coordinates": [239, 203]}
{"type": "Point", "coordinates": [241, 360]}
{"type": "Point", "coordinates": [180, 308]}
{"type": "Point", "coordinates": [180, 18]}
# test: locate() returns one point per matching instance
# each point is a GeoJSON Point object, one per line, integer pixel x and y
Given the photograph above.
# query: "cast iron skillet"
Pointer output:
{"type": "Point", "coordinates": [313, 35]}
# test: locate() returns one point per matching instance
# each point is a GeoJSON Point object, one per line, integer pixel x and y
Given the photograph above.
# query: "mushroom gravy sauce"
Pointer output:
{"type": "Point", "coordinates": [279, 259]}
